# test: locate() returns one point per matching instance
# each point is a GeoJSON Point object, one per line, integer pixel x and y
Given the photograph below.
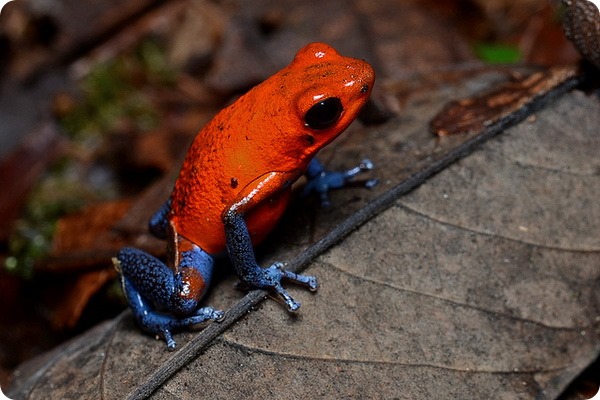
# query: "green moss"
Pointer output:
{"type": "Point", "coordinates": [496, 53]}
{"type": "Point", "coordinates": [114, 93]}
{"type": "Point", "coordinates": [56, 195]}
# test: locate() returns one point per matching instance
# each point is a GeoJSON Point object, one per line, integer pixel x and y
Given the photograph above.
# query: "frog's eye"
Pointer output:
{"type": "Point", "coordinates": [324, 114]}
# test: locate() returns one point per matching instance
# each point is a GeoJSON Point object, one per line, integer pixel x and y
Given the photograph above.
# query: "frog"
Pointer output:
{"type": "Point", "coordinates": [235, 183]}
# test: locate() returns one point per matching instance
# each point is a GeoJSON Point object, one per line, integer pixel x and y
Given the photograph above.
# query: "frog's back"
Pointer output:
{"type": "Point", "coordinates": [264, 131]}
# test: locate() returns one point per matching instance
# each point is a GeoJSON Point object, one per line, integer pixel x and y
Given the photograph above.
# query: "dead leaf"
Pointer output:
{"type": "Point", "coordinates": [153, 151]}
{"type": "Point", "coordinates": [196, 35]}
{"type": "Point", "coordinates": [473, 115]}
{"type": "Point", "coordinates": [70, 307]}
{"type": "Point", "coordinates": [445, 292]}
{"type": "Point", "coordinates": [482, 281]}
{"type": "Point", "coordinates": [87, 228]}
{"type": "Point", "coordinates": [84, 240]}
{"type": "Point", "coordinates": [582, 27]}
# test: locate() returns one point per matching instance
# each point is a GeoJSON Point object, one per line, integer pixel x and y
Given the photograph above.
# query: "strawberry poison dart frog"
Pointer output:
{"type": "Point", "coordinates": [235, 183]}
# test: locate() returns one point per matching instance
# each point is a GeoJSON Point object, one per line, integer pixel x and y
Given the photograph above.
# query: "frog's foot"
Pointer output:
{"type": "Point", "coordinates": [321, 181]}
{"type": "Point", "coordinates": [271, 278]}
{"type": "Point", "coordinates": [162, 324]}
{"type": "Point", "coordinates": [239, 245]}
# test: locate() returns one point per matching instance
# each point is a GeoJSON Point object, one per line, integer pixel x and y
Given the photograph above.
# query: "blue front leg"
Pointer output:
{"type": "Point", "coordinates": [321, 181]}
{"type": "Point", "coordinates": [242, 256]}
{"type": "Point", "coordinates": [159, 222]}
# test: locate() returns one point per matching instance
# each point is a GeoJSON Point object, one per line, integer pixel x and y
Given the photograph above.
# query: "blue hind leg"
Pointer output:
{"type": "Point", "coordinates": [151, 287]}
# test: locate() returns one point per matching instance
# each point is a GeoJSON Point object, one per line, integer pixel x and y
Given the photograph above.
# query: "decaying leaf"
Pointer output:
{"type": "Point", "coordinates": [83, 245]}
{"type": "Point", "coordinates": [582, 27]}
{"type": "Point", "coordinates": [85, 239]}
{"type": "Point", "coordinates": [70, 307]}
{"type": "Point", "coordinates": [474, 114]}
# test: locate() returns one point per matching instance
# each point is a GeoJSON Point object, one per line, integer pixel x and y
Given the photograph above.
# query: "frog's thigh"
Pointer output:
{"type": "Point", "coordinates": [176, 292]}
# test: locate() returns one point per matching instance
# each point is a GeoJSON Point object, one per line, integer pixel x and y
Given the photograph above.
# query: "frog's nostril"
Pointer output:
{"type": "Point", "coordinates": [364, 88]}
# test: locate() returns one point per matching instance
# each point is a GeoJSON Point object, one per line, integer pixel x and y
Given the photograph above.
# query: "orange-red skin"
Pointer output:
{"type": "Point", "coordinates": [246, 158]}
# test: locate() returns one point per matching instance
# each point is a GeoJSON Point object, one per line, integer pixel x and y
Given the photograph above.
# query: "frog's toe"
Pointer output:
{"type": "Point", "coordinates": [271, 279]}
{"type": "Point", "coordinates": [209, 313]}
{"type": "Point", "coordinates": [371, 183]}
{"type": "Point", "coordinates": [364, 166]}
{"type": "Point", "coordinates": [322, 181]}
{"type": "Point", "coordinates": [313, 284]}
{"type": "Point", "coordinates": [291, 304]}
{"type": "Point", "coordinates": [163, 324]}
{"type": "Point", "coordinates": [308, 280]}
{"type": "Point", "coordinates": [171, 344]}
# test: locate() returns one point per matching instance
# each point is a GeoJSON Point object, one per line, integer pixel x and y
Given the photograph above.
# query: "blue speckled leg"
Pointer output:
{"type": "Point", "coordinates": [242, 256]}
{"type": "Point", "coordinates": [150, 285]}
{"type": "Point", "coordinates": [321, 181]}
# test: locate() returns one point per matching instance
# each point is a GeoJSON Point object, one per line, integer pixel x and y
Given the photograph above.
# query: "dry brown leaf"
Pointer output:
{"type": "Point", "coordinates": [482, 281]}
{"type": "Point", "coordinates": [474, 114]}
{"type": "Point", "coordinates": [582, 26]}
{"type": "Point", "coordinates": [68, 310]}
{"type": "Point", "coordinates": [88, 229]}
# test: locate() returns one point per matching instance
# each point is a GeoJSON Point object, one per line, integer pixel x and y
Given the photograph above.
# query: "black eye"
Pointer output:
{"type": "Point", "coordinates": [324, 114]}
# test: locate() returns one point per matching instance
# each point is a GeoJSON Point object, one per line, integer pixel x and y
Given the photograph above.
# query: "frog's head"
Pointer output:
{"type": "Point", "coordinates": [327, 91]}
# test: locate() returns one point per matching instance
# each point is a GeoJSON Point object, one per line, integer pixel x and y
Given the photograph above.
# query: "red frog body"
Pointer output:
{"type": "Point", "coordinates": [236, 181]}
